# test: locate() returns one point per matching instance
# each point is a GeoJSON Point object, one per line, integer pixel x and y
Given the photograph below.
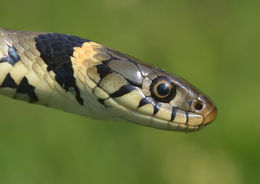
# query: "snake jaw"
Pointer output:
{"type": "Point", "coordinates": [157, 122]}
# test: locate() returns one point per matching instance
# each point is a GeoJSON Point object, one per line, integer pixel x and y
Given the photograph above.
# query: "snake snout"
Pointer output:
{"type": "Point", "coordinates": [210, 116]}
{"type": "Point", "coordinates": [204, 106]}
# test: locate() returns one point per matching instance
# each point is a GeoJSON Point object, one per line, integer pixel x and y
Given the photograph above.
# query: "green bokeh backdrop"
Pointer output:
{"type": "Point", "coordinates": [213, 44]}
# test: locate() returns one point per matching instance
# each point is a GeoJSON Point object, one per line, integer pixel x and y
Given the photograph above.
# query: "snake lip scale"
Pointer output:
{"type": "Point", "coordinates": [81, 76]}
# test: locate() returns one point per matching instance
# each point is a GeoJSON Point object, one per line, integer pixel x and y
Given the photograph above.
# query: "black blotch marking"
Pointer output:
{"type": "Point", "coordinates": [146, 100]}
{"type": "Point", "coordinates": [12, 56]}
{"type": "Point", "coordinates": [102, 101]}
{"type": "Point", "coordinates": [156, 107]}
{"type": "Point", "coordinates": [78, 97]}
{"type": "Point", "coordinates": [25, 88]}
{"type": "Point", "coordinates": [56, 50]}
{"type": "Point", "coordinates": [8, 82]}
{"type": "Point", "coordinates": [174, 110]}
{"type": "Point", "coordinates": [123, 90]}
{"type": "Point", "coordinates": [103, 70]}
{"type": "Point", "coordinates": [143, 102]}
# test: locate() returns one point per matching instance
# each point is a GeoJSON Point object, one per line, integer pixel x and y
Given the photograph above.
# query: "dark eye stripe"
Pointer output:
{"type": "Point", "coordinates": [122, 91]}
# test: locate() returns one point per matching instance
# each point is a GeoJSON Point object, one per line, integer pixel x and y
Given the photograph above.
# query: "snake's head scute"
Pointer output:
{"type": "Point", "coordinates": [147, 95]}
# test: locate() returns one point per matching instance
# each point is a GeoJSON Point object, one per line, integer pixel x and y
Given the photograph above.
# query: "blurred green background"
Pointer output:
{"type": "Point", "coordinates": [213, 44]}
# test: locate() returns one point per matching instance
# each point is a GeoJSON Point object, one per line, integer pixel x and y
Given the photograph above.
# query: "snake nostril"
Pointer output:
{"type": "Point", "coordinates": [198, 106]}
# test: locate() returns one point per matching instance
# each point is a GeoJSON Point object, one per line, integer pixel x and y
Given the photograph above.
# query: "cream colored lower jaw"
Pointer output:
{"type": "Point", "coordinates": [164, 125]}
{"type": "Point", "coordinates": [138, 118]}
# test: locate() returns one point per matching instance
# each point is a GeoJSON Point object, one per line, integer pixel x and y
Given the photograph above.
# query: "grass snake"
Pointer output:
{"type": "Point", "coordinates": [80, 76]}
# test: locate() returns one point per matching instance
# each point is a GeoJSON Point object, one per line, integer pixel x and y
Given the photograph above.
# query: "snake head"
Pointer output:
{"type": "Point", "coordinates": [190, 108]}
{"type": "Point", "coordinates": [135, 91]}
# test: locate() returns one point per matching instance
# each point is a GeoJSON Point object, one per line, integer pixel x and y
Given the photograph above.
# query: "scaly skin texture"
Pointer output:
{"type": "Point", "coordinates": [80, 76]}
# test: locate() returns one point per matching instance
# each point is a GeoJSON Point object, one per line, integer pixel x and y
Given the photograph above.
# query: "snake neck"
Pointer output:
{"type": "Point", "coordinates": [49, 69]}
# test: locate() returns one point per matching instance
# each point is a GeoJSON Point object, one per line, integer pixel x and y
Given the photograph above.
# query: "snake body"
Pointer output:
{"type": "Point", "coordinates": [80, 76]}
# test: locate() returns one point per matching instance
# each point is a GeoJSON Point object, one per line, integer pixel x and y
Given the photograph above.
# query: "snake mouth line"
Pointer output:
{"type": "Point", "coordinates": [152, 121]}
{"type": "Point", "coordinates": [184, 127]}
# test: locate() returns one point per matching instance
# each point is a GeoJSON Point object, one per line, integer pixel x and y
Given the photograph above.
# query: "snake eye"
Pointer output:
{"type": "Point", "coordinates": [162, 89]}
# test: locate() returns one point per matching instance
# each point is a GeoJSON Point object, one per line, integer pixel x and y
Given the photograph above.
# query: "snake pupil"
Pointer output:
{"type": "Point", "coordinates": [163, 89]}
